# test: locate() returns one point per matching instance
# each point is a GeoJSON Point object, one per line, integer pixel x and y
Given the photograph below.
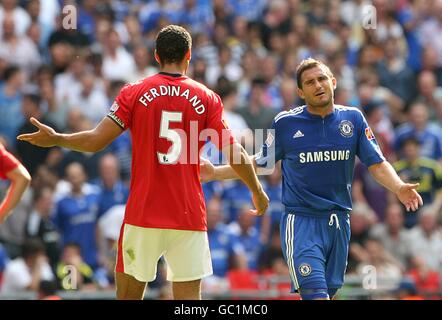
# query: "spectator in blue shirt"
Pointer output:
{"type": "Point", "coordinates": [223, 249]}
{"type": "Point", "coordinates": [76, 215]}
{"type": "Point", "coordinates": [395, 74]}
{"type": "Point", "coordinates": [10, 104]}
{"type": "Point", "coordinates": [211, 189]}
{"type": "Point", "coordinates": [273, 188]}
{"type": "Point", "coordinates": [247, 235]}
{"type": "Point", "coordinates": [199, 17]}
{"type": "Point", "coordinates": [252, 10]}
{"type": "Point", "coordinates": [428, 135]}
{"type": "Point", "coordinates": [112, 190]}
{"type": "Point", "coordinates": [234, 197]}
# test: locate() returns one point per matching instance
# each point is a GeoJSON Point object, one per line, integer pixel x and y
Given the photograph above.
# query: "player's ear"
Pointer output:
{"type": "Point", "coordinates": [300, 93]}
{"type": "Point", "coordinates": [157, 57]}
{"type": "Point", "coordinates": [188, 55]}
{"type": "Point", "coordinates": [334, 82]}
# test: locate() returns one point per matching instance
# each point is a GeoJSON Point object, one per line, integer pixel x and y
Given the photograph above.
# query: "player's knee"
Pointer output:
{"type": "Point", "coordinates": [314, 294]}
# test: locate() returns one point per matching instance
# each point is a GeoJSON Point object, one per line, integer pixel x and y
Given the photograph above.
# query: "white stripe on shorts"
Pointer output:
{"type": "Point", "coordinates": [289, 236]}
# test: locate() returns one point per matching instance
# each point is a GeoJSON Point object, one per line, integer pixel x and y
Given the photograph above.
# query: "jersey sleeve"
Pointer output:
{"type": "Point", "coordinates": [368, 149]}
{"type": "Point", "coordinates": [271, 151]}
{"type": "Point", "coordinates": [121, 110]}
{"type": "Point", "coordinates": [7, 162]}
{"type": "Point", "coordinates": [216, 121]}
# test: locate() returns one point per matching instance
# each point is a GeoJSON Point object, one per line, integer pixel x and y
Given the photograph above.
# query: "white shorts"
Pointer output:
{"type": "Point", "coordinates": [186, 253]}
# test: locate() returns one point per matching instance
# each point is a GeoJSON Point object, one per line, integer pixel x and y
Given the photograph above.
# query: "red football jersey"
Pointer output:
{"type": "Point", "coordinates": [170, 118]}
{"type": "Point", "coordinates": [7, 162]}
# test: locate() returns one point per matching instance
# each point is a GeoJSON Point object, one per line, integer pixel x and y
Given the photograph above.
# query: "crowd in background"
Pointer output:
{"type": "Point", "coordinates": [388, 65]}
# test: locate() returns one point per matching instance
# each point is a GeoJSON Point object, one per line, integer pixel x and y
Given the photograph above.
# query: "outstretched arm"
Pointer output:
{"type": "Point", "coordinates": [242, 166]}
{"type": "Point", "coordinates": [20, 179]}
{"type": "Point", "coordinates": [85, 141]}
{"type": "Point", "coordinates": [210, 172]}
{"type": "Point", "coordinates": [385, 174]}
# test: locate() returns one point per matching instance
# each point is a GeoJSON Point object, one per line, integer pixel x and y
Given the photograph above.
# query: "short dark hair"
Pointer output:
{"type": "Point", "coordinates": [74, 245]}
{"type": "Point", "coordinates": [40, 192]}
{"type": "Point", "coordinates": [10, 71]}
{"type": "Point", "coordinates": [34, 98]}
{"type": "Point", "coordinates": [31, 247]}
{"type": "Point", "coordinates": [172, 44]}
{"type": "Point", "coordinates": [308, 64]}
{"type": "Point", "coordinates": [224, 87]}
{"type": "Point", "coordinates": [258, 81]}
{"type": "Point", "coordinates": [411, 140]}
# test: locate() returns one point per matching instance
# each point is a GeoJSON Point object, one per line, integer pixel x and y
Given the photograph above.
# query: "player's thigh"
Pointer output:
{"type": "Point", "coordinates": [139, 250]}
{"type": "Point", "coordinates": [187, 255]}
{"type": "Point", "coordinates": [337, 262]}
{"type": "Point", "coordinates": [304, 252]}
{"type": "Point", "coordinates": [129, 288]}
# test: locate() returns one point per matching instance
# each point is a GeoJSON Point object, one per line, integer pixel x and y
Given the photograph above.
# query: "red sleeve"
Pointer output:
{"type": "Point", "coordinates": [121, 110]}
{"type": "Point", "coordinates": [7, 162]}
{"type": "Point", "coordinates": [215, 120]}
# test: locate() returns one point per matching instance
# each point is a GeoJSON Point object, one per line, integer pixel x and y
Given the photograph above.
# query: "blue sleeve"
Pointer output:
{"type": "Point", "coordinates": [368, 149]}
{"type": "Point", "coordinates": [271, 151]}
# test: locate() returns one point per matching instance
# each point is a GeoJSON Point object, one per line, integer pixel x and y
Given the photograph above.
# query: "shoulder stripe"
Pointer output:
{"type": "Point", "coordinates": [347, 108]}
{"type": "Point", "coordinates": [292, 112]}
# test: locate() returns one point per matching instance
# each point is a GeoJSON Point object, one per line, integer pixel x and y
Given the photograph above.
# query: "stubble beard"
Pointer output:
{"type": "Point", "coordinates": [322, 104]}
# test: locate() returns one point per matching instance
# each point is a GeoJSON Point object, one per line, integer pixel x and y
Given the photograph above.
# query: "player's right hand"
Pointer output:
{"type": "Point", "coordinates": [44, 137]}
{"type": "Point", "coordinates": [261, 203]}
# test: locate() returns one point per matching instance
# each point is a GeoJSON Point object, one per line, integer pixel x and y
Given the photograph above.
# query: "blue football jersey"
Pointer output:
{"type": "Point", "coordinates": [318, 157]}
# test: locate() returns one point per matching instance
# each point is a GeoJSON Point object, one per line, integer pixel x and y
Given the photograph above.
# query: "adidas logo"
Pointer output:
{"type": "Point", "coordinates": [298, 134]}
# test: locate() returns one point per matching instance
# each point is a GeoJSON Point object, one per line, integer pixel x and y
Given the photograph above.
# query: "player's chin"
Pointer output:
{"type": "Point", "coordinates": [322, 102]}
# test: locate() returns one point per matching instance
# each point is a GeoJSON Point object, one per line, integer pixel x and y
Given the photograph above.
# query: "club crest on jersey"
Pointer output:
{"type": "Point", "coordinates": [305, 269]}
{"type": "Point", "coordinates": [346, 128]}
{"type": "Point", "coordinates": [369, 134]}
{"type": "Point", "coordinates": [114, 107]}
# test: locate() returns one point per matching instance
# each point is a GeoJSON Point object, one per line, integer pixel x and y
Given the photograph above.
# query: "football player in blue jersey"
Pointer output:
{"type": "Point", "coordinates": [317, 144]}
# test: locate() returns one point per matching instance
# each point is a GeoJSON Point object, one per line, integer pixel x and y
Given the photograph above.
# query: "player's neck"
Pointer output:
{"type": "Point", "coordinates": [322, 112]}
{"type": "Point", "coordinates": [173, 68]}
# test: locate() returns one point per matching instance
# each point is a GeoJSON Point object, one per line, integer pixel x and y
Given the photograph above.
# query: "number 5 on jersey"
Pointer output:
{"type": "Point", "coordinates": [165, 132]}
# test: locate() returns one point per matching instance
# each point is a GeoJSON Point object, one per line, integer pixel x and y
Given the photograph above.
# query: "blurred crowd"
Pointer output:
{"type": "Point", "coordinates": [385, 54]}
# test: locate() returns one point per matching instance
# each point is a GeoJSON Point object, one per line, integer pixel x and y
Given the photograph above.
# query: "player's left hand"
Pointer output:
{"type": "Point", "coordinates": [409, 197]}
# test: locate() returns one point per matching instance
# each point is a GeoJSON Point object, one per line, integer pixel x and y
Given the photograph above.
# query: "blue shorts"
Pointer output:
{"type": "Point", "coordinates": [316, 249]}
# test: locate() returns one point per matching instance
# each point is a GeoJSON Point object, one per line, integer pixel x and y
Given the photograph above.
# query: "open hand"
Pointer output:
{"type": "Point", "coordinates": [409, 197]}
{"type": "Point", "coordinates": [44, 137]}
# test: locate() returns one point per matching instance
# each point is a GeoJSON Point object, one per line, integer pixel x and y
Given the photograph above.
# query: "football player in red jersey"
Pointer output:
{"type": "Point", "coordinates": [170, 117]}
{"type": "Point", "coordinates": [14, 171]}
